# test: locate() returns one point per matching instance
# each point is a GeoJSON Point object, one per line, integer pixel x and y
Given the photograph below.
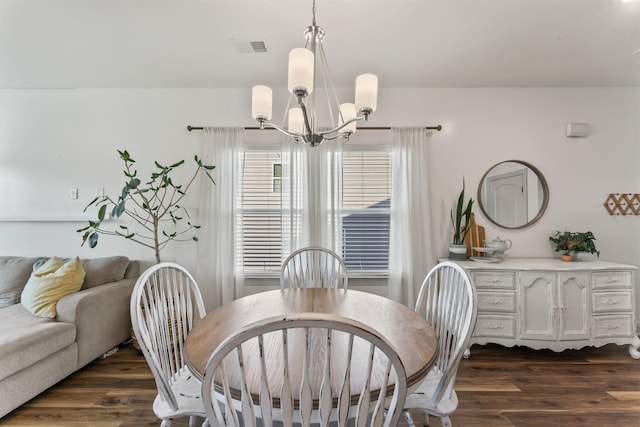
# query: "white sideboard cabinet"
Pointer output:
{"type": "Point", "coordinates": [549, 303]}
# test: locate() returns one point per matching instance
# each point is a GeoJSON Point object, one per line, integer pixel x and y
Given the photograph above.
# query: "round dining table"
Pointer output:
{"type": "Point", "coordinates": [411, 336]}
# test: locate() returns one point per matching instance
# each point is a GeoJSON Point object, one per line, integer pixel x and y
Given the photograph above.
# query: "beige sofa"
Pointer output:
{"type": "Point", "coordinates": [36, 353]}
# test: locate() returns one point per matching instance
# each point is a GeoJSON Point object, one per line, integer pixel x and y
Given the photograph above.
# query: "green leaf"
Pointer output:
{"type": "Point", "coordinates": [124, 155]}
{"type": "Point", "coordinates": [80, 230]}
{"type": "Point", "coordinates": [195, 238]}
{"type": "Point", "coordinates": [175, 165]}
{"type": "Point", "coordinates": [90, 203]}
{"type": "Point", "coordinates": [129, 236]}
{"type": "Point", "coordinates": [118, 210]}
{"type": "Point", "coordinates": [102, 212]}
{"type": "Point", "coordinates": [158, 165]}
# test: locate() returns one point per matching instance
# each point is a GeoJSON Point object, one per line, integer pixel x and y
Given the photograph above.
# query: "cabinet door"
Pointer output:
{"type": "Point", "coordinates": [573, 306]}
{"type": "Point", "coordinates": [537, 306]}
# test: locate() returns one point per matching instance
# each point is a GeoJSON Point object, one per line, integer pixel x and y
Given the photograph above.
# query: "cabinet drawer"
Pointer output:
{"type": "Point", "coordinates": [611, 279]}
{"type": "Point", "coordinates": [495, 326]}
{"type": "Point", "coordinates": [613, 326]}
{"type": "Point", "coordinates": [604, 302]}
{"type": "Point", "coordinates": [496, 280]}
{"type": "Point", "coordinates": [504, 302]}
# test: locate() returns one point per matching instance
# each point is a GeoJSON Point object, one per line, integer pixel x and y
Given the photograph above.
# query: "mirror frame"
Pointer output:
{"type": "Point", "coordinates": [543, 183]}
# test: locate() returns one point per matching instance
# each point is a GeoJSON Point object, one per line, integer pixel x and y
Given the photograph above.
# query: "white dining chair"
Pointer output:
{"type": "Point", "coordinates": [165, 303]}
{"type": "Point", "coordinates": [448, 301]}
{"type": "Point", "coordinates": [286, 370]}
{"type": "Point", "coordinates": [314, 267]}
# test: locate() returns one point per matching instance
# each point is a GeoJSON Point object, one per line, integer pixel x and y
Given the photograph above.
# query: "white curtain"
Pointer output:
{"type": "Point", "coordinates": [410, 253]}
{"type": "Point", "coordinates": [325, 165]}
{"type": "Point", "coordinates": [311, 196]}
{"type": "Point", "coordinates": [218, 278]}
{"type": "Point", "coordinates": [296, 209]}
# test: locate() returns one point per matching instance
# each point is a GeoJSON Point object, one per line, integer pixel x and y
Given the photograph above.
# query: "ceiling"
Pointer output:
{"type": "Point", "coordinates": [408, 43]}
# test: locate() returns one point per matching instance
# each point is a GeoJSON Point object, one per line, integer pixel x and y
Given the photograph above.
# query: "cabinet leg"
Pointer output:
{"type": "Point", "coordinates": [634, 348]}
{"type": "Point", "coordinates": [467, 353]}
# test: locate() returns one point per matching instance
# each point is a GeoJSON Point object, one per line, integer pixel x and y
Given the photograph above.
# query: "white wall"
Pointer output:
{"type": "Point", "coordinates": [55, 140]}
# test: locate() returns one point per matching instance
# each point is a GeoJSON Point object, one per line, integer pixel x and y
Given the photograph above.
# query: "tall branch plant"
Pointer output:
{"type": "Point", "coordinates": [154, 206]}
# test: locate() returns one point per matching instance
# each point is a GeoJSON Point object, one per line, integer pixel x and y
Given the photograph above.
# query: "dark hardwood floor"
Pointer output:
{"type": "Point", "coordinates": [496, 386]}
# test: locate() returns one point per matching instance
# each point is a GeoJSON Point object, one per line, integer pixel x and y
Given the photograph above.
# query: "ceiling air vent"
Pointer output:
{"type": "Point", "coordinates": [245, 46]}
{"type": "Point", "coordinates": [258, 47]}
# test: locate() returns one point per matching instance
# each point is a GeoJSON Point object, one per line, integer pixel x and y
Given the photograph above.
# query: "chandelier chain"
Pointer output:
{"type": "Point", "coordinates": [313, 11]}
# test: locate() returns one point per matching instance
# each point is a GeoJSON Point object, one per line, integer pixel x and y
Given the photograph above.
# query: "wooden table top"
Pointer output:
{"type": "Point", "coordinates": [412, 337]}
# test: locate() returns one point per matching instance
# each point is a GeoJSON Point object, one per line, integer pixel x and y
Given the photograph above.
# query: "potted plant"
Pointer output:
{"type": "Point", "coordinates": [461, 222]}
{"type": "Point", "coordinates": [570, 243]}
{"type": "Point", "coordinates": [154, 207]}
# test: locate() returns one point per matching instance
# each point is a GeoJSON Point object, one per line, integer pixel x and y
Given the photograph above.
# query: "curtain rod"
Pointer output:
{"type": "Point", "coordinates": [437, 128]}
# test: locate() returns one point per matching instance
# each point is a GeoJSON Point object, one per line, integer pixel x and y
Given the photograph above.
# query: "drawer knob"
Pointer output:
{"type": "Point", "coordinates": [488, 325]}
{"type": "Point", "coordinates": [611, 301]}
{"type": "Point", "coordinates": [611, 326]}
{"type": "Point", "coordinates": [610, 280]}
{"type": "Point", "coordinates": [493, 301]}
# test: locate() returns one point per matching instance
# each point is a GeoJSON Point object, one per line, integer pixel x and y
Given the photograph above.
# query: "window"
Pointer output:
{"type": "Point", "coordinates": [365, 189]}
{"type": "Point", "coordinates": [277, 177]}
{"type": "Point", "coordinates": [261, 220]}
{"type": "Point", "coordinates": [366, 197]}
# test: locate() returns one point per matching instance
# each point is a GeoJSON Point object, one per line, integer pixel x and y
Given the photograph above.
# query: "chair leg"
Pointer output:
{"type": "Point", "coordinates": [165, 423]}
{"type": "Point", "coordinates": [206, 423]}
{"type": "Point", "coordinates": [409, 419]}
{"type": "Point", "coordinates": [445, 421]}
{"type": "Point", "coordinates": [192, 421]}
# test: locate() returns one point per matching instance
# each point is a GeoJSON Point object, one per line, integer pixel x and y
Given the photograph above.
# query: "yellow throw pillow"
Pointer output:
{"type": "Point", "coordinates": [51, 281]}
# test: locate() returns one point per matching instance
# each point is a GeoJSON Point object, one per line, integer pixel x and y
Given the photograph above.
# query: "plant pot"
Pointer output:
{"type": "Point", "coordinates": [566, 258]}
{"type": "Point", "coordinates": [457, 251]}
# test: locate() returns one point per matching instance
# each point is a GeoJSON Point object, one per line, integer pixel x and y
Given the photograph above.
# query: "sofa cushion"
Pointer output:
{"type": "Point", "coordinates": [26, 339]}
{"type": "Point", "coordinates": [104, 270]}
{"type": "Point", "coordinates": [50, 282]}
{"type": "Point", "coordinates": [14, 273]}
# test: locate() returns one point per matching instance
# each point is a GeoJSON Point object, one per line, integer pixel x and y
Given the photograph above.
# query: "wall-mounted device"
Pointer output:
{"type": "Point", "coordinates": [577, 129]}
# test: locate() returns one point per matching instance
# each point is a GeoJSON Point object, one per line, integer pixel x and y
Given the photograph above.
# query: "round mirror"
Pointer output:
{"type": "Point", "coordinates": [513, 194]}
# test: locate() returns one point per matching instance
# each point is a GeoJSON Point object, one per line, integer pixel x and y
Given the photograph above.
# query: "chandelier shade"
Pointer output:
{"type": "Point", "coordinates": [301, 70]}
{"type": "Point", "coordinates": [261, 102]}
{"type": "Point", "coordinates": [307, 65]}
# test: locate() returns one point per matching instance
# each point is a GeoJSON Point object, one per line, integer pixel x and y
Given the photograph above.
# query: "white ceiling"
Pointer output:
{"type": "Point", "coordinates": [427, 43]}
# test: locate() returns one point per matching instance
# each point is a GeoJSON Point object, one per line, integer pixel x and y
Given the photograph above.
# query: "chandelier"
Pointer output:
{"type": "Point", "coordinates": [302, 118]}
